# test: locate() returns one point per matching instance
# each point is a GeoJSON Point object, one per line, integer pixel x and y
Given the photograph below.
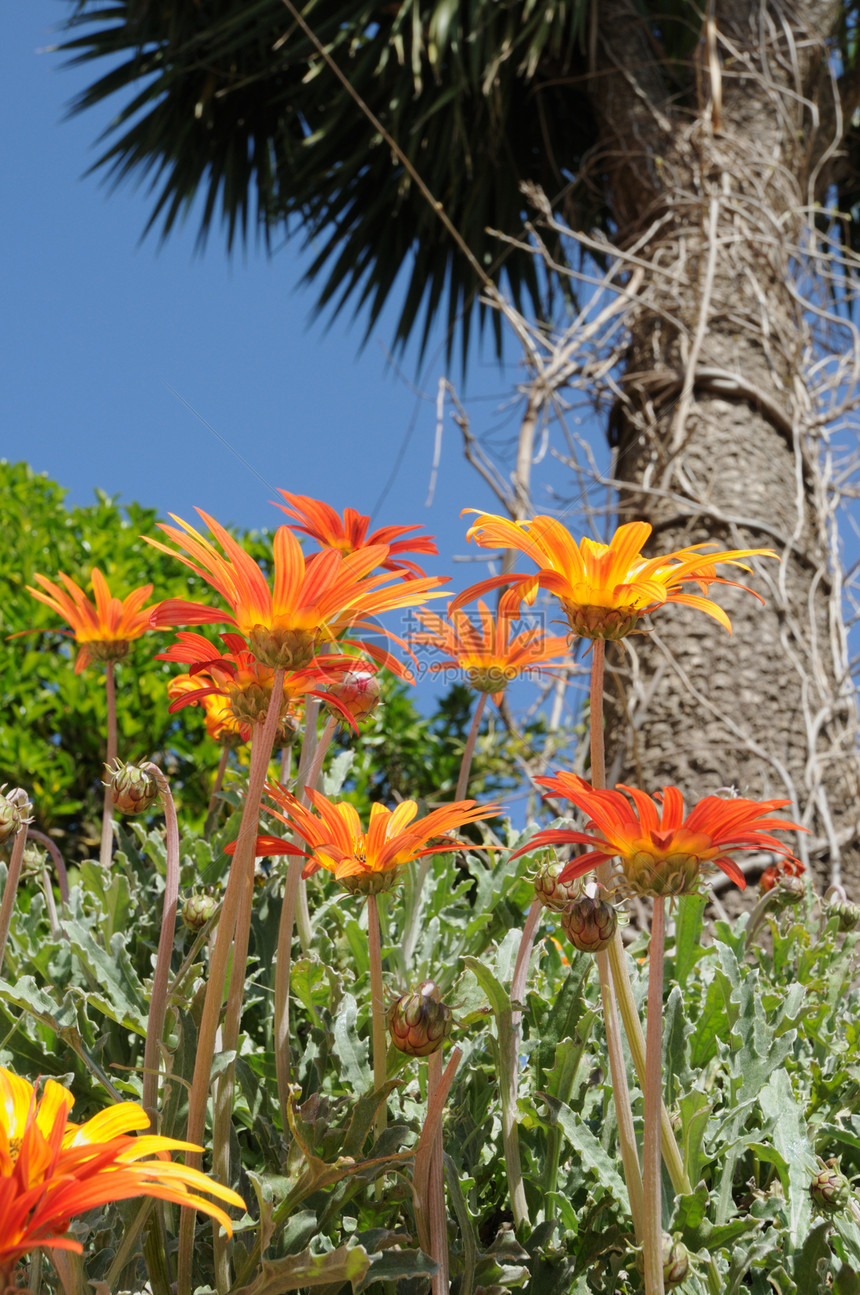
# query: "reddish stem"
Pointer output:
{"type": "Point", "coordinates": [106, 847]}
{"type": "Point", "coordinates": [653, 1104]}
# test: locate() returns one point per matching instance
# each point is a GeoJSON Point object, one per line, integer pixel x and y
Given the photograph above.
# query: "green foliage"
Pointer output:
{"type": "Point", "coordinates": [760, 1057]}
{"type": "Point", "coordinates": [53, 727]}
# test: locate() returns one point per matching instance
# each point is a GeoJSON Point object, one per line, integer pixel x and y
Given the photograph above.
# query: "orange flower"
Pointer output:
{"type": "Point", "coordinates": [105, 629]}
{"type": "Point", "coordinates": [221, 725]}
{"type": "Point", "coordinates": [245, 686]}
{"type": "Point", "coordinates": [366, 862]}
{"type": "Point", "coordinates": [490, 658]}
{"type": "Point", "coordinates": [322, 523]}
{"type": "Point", "coordinates": [52, 1170]}
{"type": "Point", "coordinates": [604, 589]}
{"type": "Point", "coordinates": [661, 852]}
{"type": "Point", "coordinates": [313, 601]}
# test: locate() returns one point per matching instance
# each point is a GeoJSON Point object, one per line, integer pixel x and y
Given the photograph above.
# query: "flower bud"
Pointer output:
{"type": "Point", "coordinates": [551, 892]}
{"type": "Point", "coordinates": [34, 858]}
{"type": "Point", "coordinates": [358, 692]}
{"type": "Point", "coordinates": [132, 789]}
{"type": "Point", "coordinates": [830, 1190]}
{"type": "Point", "coordinates": [676, 1261]}
{"type": "Point", "coordinates": [418, 1022]}
{"type": "Point", "coordinates": [589, 924]}
{"type": "Point", "coordinates": [14, 810]}
{"type": "Point", "coordinates": [790, 891]}
{"type": "Point", "coordinates": [197, 910]}
{"type": "Point", "coordinates": [847, 915]}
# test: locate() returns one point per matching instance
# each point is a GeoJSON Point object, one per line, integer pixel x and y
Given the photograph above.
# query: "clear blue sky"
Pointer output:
{"type": "Point", "coordinates": [98, 326]}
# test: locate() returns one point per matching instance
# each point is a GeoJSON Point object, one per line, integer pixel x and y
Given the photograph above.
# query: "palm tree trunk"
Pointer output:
{"type": "Point", "coordinates": [715, 431]}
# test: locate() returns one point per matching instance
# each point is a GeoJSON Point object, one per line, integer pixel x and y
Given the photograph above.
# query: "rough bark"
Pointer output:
{"type": "Point", "coordinates": [714, 432]}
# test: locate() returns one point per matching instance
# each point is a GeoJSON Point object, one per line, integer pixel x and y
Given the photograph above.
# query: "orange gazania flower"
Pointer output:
{"type": "Point", "coordinates": [104, 629]}
{"type": "Point", "coordinates": [238, 679]}
{"type": "Point", "coordinates": [52, 1170]}
{"type": "Point", "coordinates": [221, 725]}
{"type": "Point", "coordinates": [490, 658]}
{"type": "Point", "coordinates": [660, 851]}
{"type": "Point", "coordinates": [604, 589]}
{"type": "Point", "coordinates": [322, 523]}
{"type": "Point", "coordinates": [366, 862]}
{"type": "Point", "coordinates": [313, 600]}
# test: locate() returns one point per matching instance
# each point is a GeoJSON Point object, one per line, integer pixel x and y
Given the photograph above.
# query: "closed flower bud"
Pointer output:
{"type": "Point", "coordinates": [589, 924]}
{"type": "Point", "coordinates": [132, 789]}
{"type": "Point", "coordinates": [553, 893]}
{"type": "Point", "coordinates": [789, 891]}
{"type": "Point", "coordinates": [197, 910]}
{"type": "Point", "coordinates": [830, 1190]}
{"type": "Point", "coordinates": [419, 1022]}
{"type": "Point", "coordinates": [34, 857]}
{"type": "Point", "coordinates": [14, 810]}
{"type": "Point", "coordinates": [676, 1261]}
{"type": "Point", "coordinates": [848, 915]}
{"type": "Point", "coordinates": [358, 692]}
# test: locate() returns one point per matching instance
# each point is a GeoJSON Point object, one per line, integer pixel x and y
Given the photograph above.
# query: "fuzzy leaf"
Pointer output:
{"type": "Point", "coordinates": [345, 1264]}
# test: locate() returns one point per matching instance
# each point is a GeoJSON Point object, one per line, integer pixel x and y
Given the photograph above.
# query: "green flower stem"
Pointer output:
{"type": "Point", "coordinates": [158, 998]}
{"type": "Point", "coordinates": [110, 759]}
{"type": "Point", "coordinates": [310, 764]}
{"type": "Point", "coordinates": [617, 958]}
{"type": "Point", "coordinates": [617, 1068]}
{"type": "Point", "coordinates": [377, 1013]}
{"type": "Point", "coordinates": [636, 1041]}
{"type": "Point", "coordinates": [236, 906]}
{"type": "Point", "coordinates": [509, 1051]}
{"type": "Point", "coordinates": [212, 810]}
{"type": "Point", "coordinates": [653, 1101]}
{"type": "Point", "coordinates": [758, 915]}
{"type": "Point", "coordinates": [438, 1219]}
{"type": "Point", "coordinates": [427, 1143]}
{"type": "Point", "coordinates": [623, 1110]}
{"type": "Point", "coordinates": [13, 876]}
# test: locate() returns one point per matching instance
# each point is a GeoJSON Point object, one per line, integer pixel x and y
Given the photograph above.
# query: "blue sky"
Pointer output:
{"type": "Point", "coordinates": [97, 327]}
